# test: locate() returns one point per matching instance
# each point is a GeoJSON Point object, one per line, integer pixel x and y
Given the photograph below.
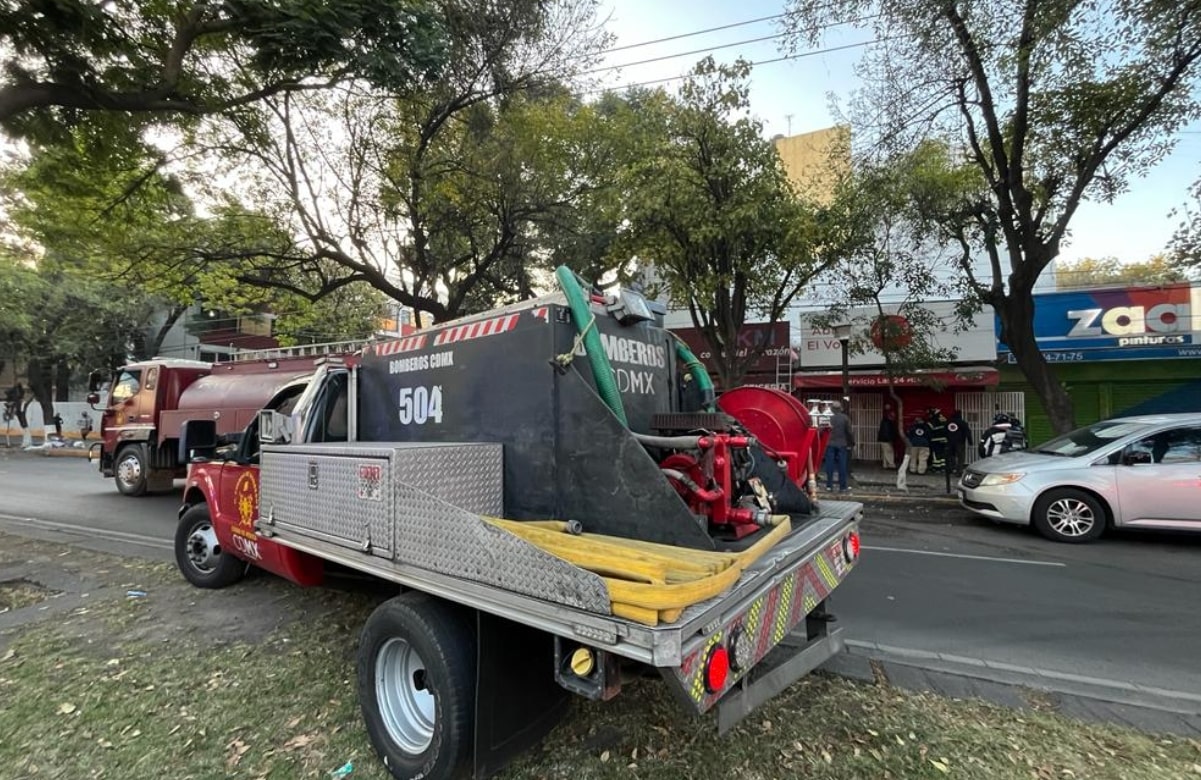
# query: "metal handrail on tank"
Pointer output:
{"type": "Point", "coordinates": [301, 350]}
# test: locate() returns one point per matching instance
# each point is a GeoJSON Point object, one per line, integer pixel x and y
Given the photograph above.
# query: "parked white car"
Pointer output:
{"type": "Point", "coordinates": [1140, 472]}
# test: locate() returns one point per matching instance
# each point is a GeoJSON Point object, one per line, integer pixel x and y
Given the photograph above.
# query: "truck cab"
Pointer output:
{"type": "Point", "coordinates": [129, 446]}
{"type": "Point", "coordinates": [147, 403]}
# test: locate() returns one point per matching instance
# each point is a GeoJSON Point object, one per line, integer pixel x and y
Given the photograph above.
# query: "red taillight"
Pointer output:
{"type": "Point", "coordinates": [717, 669]}
{"type": "Point", "coordinates": [850, 547]}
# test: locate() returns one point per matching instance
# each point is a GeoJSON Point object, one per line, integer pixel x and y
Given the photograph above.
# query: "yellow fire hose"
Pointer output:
{"type": "Point", "coordinates": [648, 583]}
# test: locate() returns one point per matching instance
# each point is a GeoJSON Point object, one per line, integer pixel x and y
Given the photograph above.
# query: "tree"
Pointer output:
{"type": "Point", "coordinates": [710, 208]}
{"type": "Point", "coordinates": [55, 319]}
{"type": "Point", "coordinates": [446, 199]}
{"type": "Point", "coordinates": [894, 265]}
{"type": "Point", "coordinates": [1110, 271]}
{"type": "Point", "coordinates": [106, 209]}
{"type": "Point", "coordinates": [180, 59]}
{"type": "Point", "coordinates": [1186, 243]}
{"type": "Point", "coordinates": [1050, 102]}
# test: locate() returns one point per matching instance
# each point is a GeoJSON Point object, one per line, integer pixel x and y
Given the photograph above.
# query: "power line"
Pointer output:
{"type": "Point", "coordinates": [684, 53]}
{"type": "Point", "coordinates": [693, 34]}
{"type": "Point", "coordinates": [799, 55]}
{"type": "Point", "coordinates": [706, 49]}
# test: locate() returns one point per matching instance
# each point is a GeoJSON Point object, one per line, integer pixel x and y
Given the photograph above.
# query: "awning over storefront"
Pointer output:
{"type": "Point", "coordinates": [861, 380]}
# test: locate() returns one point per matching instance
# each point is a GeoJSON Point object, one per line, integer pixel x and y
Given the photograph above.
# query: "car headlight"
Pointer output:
{"type": "Point", "coordinates": [1000, 479]}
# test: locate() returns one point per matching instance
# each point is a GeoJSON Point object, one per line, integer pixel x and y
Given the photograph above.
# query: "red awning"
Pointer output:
{"type": "Point", "coordinates": [974, 377]}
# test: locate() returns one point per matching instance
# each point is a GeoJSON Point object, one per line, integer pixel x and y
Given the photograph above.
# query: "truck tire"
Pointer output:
{"type": "Point", "coordinates": [198, 553]}
{"type": "Point", "coordinates": [130, 470]}
{"type": "Point", "coordinates": [1068, 515]}
{"type": "Point", "coordinates": [417, 658]}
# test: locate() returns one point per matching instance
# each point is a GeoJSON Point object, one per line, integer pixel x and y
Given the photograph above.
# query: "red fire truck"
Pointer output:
{"type": "Point", "coordinates": [147, 402]}
{"type": "Point", "coordinates": [553, 513]}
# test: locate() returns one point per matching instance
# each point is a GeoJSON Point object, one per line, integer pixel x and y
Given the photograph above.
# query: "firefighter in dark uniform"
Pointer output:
{"type": "Point", "coordinates": [958, 435]}
{"type": "Point", "coordinates": [938, 440]}
{"type": "Point", "coordinates": [918, 435]}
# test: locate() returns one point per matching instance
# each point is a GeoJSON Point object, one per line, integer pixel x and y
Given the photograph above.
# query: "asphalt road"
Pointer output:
{"type": "Point", "coordinates": [932, 578]}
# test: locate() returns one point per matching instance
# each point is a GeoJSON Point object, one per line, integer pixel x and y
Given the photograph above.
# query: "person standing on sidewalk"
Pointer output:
{"type": "Point", "coordinates": [958, 434]}
{"type": "Point", "coordinates": [919, 445]}
{"type": "Point", "coordinates": [886, 435]}
{"type": "Point", "coordinates": [938, 439]}
{"type": "Point", "coordinates": [838, 449]}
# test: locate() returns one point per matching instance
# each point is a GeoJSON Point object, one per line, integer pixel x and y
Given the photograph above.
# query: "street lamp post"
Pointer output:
{"type": "Point", "coordinates": [843, 332]}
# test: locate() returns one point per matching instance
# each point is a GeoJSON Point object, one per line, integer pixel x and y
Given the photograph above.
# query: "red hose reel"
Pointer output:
{"type": "Point", "coordinates": [779, 423]}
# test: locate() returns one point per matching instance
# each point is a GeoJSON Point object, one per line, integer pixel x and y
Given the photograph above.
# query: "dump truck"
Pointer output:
{"type": "Point", "coordinates": [146, 402]}
{"type": "Point", "coordinates": [554, 512]}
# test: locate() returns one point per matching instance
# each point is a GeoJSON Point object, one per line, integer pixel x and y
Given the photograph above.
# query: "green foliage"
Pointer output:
{"type": "Point", "coordinates": [183, 58]}
{"type": "Point", "coordinates": [454, 197]}
{"type": "Point", "coordinates": [108, 213]}
{"type": "Point", "coordinates": [1110, 271]}
{"type": "Point", "coordinates": [51, 316]}
{"type": "Point", "coordinates": [1186, 243]}
{"type": "Point", "coordinates": [708, 205]}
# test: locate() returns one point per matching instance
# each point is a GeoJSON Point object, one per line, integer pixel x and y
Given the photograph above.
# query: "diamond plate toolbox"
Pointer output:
{"type": "Point", "coordinates": [346, 494]}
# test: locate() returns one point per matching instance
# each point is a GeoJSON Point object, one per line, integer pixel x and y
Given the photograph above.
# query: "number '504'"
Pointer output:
{"type": "Point", "coordinates": [419, 405]}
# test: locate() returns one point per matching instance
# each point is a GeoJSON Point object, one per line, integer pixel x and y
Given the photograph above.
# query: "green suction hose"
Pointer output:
{"type": "Point", "coordinates": [703, 381]}
{"type": "Point", "coordinates": [581, 315]}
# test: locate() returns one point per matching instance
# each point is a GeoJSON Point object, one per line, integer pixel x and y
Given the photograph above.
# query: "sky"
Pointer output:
{"type": "Point", "coordinates": [794, 97]}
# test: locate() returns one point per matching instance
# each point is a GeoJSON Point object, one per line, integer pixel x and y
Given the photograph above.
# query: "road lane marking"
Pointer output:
{"type": "Point", "coordinates": [88, 532]}
{"type": "Point", "coordinates": [964, 556]}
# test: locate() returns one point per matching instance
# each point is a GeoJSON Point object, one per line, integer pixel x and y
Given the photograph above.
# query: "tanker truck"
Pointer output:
{"type": "Point", "coordinates": [553, 513]}
{"type": "Point", "coordinates": [147, 402]}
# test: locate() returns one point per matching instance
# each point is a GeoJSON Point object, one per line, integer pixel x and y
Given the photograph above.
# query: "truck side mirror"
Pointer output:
{"type": "Point", "coordinates": [93, 398]}
{"type": "Point", "coordinates": [197, 441]}
{"type": "Point", "coordinates": [274, 428]}
{"type": "Point", "coordinates": [94, 381]}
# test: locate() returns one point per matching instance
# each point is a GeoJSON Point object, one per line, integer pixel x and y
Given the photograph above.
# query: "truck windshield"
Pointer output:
{"type": "Point", "coordinates": [128, 383]}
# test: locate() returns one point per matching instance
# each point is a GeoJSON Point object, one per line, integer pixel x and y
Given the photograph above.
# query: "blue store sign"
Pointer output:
{"type": "Point", "coordinates": [1137, 323]}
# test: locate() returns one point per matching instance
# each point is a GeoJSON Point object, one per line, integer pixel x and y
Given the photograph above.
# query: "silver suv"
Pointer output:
{"type": "Point", "coordinates": [1141, 472]}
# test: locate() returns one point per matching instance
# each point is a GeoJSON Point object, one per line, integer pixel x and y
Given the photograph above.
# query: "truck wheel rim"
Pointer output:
{"type": "Point", "coordinates": [407, 707]}
{"type": "Point", "coordinates": [1070, 517]}
{"type": "Point", "coordinates": [129, 470]}
{"type": "Point", "coordinates": [203, 548]}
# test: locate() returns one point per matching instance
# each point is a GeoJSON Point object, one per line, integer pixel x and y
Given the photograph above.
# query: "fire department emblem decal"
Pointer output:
{"type": "Point", "coordinates": [246, 499]}
{"type": "Point", "coordinates": [371, 478]}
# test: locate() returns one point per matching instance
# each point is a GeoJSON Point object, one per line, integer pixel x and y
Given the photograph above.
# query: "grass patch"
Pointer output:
{"type": "Point", "coordinates": [133, 703]}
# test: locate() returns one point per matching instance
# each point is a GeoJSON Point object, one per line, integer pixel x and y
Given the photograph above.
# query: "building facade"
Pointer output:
{"type": "Point", "coordinates": [969, 382]}
{"type": "Point", "coordinates": [1119, 351]}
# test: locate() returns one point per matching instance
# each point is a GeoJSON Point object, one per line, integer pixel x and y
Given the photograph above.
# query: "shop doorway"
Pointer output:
{"type": "Point", "coordinates": [979, 408]}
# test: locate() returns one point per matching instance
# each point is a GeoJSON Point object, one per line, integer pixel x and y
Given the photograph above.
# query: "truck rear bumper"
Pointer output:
{"type": "Point", "coordinates": [802, 651]}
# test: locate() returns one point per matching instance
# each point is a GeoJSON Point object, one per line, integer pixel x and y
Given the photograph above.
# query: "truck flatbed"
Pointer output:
{"type": "Point", "coordinates": [665, 645]}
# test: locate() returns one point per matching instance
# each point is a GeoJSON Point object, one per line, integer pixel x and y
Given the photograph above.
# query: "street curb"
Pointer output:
{"type": "Point", "coordinates": [904, 498]}
{"type": "Point", "coordinates": [1107, 701]}
{"type": "Point", "coordinates": [64, 452]}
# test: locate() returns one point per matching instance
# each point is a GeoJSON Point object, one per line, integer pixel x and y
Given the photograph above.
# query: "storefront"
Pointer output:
{"type": "Point", "coordinates": [768, 341]}
{"type": "Point", "coordinates": [1119, 351]}
{"type": "Point", "coordinates": [969, 383]}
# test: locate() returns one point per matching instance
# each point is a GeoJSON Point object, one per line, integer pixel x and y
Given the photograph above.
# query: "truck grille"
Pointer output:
{"type": "Point", "coordinates": [972, 479]}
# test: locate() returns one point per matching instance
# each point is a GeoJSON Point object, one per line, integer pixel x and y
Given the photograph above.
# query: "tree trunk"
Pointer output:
{"type": "Point", "coordinates": [42, 389]}
{"type": "Point", "coordinates": [1017, 331]}
{"type": "Point", "coordinates": [154, 346]}
{"type": "Point", "coordinates": [62, 382]}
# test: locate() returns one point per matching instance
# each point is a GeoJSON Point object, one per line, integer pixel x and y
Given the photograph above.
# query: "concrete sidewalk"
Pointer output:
{"type": "Point", "coordinates": [869, 479]}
